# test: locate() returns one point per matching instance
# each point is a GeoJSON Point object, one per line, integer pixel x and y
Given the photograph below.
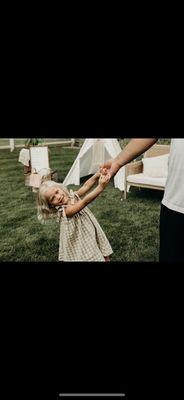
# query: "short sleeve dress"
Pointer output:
{"type": "Point", "coordinates": [81, 236]}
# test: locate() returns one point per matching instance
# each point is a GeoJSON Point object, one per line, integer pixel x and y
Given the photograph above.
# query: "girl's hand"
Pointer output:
{"type": "Point", "coordinates": [110, 167]}
{"type": "Point", "coordinates": [97, 175]}
{"type": "Point", "coordinates": [104, 180]}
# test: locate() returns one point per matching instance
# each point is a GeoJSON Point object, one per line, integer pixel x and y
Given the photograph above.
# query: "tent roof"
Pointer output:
{"type": "Point", "coordinates": [92, 153]}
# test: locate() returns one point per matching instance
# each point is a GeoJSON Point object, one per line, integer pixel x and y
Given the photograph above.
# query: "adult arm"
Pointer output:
{"type": "Point", "coordinates": [131, 151]}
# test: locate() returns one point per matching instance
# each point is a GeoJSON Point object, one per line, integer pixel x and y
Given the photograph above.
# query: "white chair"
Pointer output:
{"type": "Point", "coordinates": [137, 172]}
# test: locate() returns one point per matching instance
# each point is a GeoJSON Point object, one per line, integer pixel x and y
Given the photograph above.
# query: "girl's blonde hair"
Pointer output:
{"type": "Point", "coordinates": [44, 209]}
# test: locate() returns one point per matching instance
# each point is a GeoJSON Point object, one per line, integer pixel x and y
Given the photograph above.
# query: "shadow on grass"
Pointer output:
{"type": "Point", "coordinates": [145, 194]}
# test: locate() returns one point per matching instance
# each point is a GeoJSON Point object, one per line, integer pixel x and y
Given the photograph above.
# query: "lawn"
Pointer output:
{"type": "Point", "coordinates": [132, 226]}
{"type": "Point", "coordinates": [6, 142]}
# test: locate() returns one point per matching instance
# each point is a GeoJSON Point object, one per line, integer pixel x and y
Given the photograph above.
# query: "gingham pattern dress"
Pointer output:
{"type": "Point", "coordinates": [81, 236]}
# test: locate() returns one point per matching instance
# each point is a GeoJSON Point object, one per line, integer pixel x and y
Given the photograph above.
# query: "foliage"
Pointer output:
{"type": "Point", "coordinates": [33, 142]}
{"type": "Point", "coordinates": [123, 142]}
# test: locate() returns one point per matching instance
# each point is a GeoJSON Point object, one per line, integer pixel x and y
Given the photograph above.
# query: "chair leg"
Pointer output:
{"type": "Point", "coordinates": [125, 191]}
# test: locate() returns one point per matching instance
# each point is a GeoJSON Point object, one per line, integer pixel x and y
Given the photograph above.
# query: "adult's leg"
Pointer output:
{"type": "Point", "coordinates": [171, 235]}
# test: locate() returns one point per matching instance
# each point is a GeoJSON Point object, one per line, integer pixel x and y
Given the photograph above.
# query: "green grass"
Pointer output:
{"type": "Point", "coordinates": [132, 226]}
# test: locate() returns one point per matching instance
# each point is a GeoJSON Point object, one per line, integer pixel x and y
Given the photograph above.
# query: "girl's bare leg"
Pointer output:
{"type": "Point", "coordinates": [107, 259]}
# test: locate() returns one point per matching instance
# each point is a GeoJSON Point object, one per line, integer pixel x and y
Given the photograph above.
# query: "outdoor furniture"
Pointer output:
{"type": "Point", "coordinates": [135, 175]}
{"type": "Point", "coordinates": [39, 163]}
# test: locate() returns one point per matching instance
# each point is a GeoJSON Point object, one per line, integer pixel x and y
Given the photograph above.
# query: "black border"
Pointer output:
{"type": "Point", "coordinates": [49, 310]}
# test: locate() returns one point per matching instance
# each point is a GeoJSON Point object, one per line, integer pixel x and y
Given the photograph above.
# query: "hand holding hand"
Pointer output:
{"type": "Point", "coordinates": [104, 180]}
{"type": "Point", "coordinates": [110, 167]}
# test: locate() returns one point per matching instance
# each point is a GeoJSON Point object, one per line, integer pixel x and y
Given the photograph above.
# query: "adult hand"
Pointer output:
{"type": "Point", "coordinates": [110, 167]}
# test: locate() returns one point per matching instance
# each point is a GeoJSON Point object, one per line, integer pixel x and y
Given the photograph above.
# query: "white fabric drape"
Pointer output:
{"type": "Point", "coordinates": [98, 155]}
{"type": "Point", "coordinates": [24, 157]}
{"type": "Point", "coordinates": [93, 153]}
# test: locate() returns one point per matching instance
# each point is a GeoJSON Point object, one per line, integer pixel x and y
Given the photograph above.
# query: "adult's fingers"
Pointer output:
{"type": "Point", "coordinates": [107, 164]}
{"type": "Point", "coordinates": [103, 171]}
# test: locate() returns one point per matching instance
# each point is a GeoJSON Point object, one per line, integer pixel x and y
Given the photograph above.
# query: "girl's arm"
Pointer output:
{"type": "Point", "coordinates": [75, 208]}
{"type": "Point", "coordinates": [88, 185]}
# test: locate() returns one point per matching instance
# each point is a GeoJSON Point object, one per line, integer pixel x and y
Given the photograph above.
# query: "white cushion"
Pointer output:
{"type": "Point", "coordinates": [156, 167]}
{"type": "Point", "coordinates": [146, 180]}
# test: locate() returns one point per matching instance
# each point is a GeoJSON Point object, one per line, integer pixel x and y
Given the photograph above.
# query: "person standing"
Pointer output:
{"type": "Point", "coordinates": [172, 206]}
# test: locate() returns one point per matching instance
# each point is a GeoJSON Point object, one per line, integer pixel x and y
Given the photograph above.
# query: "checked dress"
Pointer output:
{"type": "Point", "coordinates": [81, 236]}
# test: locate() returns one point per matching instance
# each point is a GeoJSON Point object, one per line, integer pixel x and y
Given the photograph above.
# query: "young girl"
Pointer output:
{"type": "Point", "coordinates": [81, 237]}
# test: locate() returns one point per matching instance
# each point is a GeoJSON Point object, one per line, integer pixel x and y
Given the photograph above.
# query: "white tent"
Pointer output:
{"type": "Point", "coordinates": [93, 153]}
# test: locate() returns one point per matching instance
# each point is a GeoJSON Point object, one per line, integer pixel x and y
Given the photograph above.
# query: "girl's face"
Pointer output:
{"type": "Point", "coordinates": [56, 196]}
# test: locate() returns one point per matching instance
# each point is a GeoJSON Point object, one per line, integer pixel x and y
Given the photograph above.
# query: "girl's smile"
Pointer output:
{"type": "Point", "coordinates": [56, 196]}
